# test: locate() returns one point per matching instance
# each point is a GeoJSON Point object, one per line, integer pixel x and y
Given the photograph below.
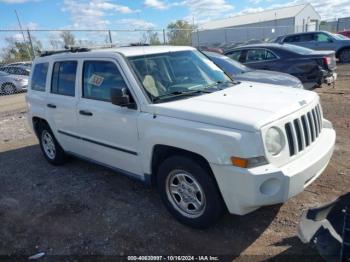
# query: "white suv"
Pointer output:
{"type": "Point", "coordinates": [169, 116]}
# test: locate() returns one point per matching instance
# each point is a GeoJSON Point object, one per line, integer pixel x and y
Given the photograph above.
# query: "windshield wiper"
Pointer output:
{"type": "Point", "coordinates": [220, 83]}
{"type": "Point", "coordinates": [176, 94]}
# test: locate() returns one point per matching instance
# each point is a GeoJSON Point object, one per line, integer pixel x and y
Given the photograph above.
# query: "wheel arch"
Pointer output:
{"type": "Point", "coordinates": [161, 152]}
{"type": "Point", "coordinates": [37, 123]}
{"type": "Point", "coordinates": [340, 50]}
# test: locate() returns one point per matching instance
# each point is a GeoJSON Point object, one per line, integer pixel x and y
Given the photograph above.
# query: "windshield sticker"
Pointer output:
{"type": "Point", "coordinates": [96, 80]}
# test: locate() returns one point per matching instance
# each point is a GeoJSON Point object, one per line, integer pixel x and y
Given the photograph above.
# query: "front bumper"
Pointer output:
{"type": "Point", "coordinates": [245, 190]}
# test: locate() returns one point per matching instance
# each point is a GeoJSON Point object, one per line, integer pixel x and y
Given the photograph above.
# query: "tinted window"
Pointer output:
{"type": "Point", "coordinates": [63, 78]}
{"type": "Point", "coordinates": [235, 55]}
{"type": "Point", "coordinates": [98, 79]}
{"type": "Point", "coordinates": [39, 77]}
{"type": "Point", "coordinates": [257, 55]}
{"type": "Point", "coordinates": [299, 38]}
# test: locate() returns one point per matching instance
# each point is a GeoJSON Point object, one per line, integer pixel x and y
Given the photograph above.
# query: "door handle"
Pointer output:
{"type": "Point", "coordinates": [85, 113]}
{"type": "Point", "coordinates": [51, 105]}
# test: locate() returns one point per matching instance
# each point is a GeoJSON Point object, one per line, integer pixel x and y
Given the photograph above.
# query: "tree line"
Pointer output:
{"type": "Point", "coordinates": [177, 33]}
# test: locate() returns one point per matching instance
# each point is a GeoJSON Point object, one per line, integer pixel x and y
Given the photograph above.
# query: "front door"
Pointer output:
{"type": "Point", "coordinates": [109, 133]}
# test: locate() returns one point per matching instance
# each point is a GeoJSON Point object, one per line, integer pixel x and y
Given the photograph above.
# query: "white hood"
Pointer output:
{"type": "Point", "coordinates": [246, 106]}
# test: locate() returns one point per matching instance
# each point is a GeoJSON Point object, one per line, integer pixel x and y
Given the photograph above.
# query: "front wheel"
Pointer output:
{"type": "Point", "coordinates": [189, 191]}
{"type": "Point", "coordinates": [344, 56]}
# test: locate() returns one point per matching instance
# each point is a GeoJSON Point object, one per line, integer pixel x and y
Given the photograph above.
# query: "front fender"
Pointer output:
{"type": "Point", "coordinates": [216, 144]}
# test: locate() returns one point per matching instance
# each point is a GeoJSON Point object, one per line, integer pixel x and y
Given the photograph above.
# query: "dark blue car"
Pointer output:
{"type": "Point", "coordinates": [313, 68]}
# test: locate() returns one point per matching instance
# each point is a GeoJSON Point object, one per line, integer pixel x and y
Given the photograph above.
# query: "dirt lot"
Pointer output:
{"type": "Point", "coordinates": [83, 209]}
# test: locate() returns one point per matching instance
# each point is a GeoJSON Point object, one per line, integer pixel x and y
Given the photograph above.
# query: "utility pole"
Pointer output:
{"type": "Point", "coordinates": [24, 38]}
{"type": "Point", "coordinates": [31, 43]}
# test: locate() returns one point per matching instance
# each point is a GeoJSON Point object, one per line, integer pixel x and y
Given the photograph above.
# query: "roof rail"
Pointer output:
{"type": "Point", "coordinates": [68, 49]}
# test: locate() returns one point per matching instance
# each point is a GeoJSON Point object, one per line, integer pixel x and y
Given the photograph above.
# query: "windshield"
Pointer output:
{"type": "Point", "coordinates": [298, 49]}
{"type": "Point", "coordinates": [173, 73]}
{"type": "Point", "coordinates": [340, 37]}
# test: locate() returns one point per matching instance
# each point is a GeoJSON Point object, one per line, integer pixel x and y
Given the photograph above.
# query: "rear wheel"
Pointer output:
{"type": "Point", "coordinates": [344, 56]}
{"type": "Point", "coordinates": [8, 89]}
{"type": "Point", "coordinates": [189, 191]}
{"type": "Point", "coordinates": [52, 151]}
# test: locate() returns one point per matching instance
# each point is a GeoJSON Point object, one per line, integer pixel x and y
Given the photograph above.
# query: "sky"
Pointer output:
{"type": "Point", "coordinates": [140, 14]}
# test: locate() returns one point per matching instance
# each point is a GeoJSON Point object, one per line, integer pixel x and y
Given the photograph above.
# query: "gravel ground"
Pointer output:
{"type": "Point", "coordinates": [83, 209]}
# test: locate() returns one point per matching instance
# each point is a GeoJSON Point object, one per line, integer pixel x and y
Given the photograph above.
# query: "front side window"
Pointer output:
{"type": "Point", "coordinates": [39, 76]}
{"type": "Point", "coordinates": [181, 72]}
{"type": "Point", "coordinates": [320, 37]}
{"type": "Point", "coordinates": [99, 77]}
{"type": "Point", "coordinates": [259, 55]}
{"type": "Point", "coordinates": [235, 55]}
{"type": "Point", "coordinates": [63, 78]}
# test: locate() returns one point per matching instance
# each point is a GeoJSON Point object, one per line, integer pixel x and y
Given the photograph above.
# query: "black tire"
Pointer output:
{"type": "Point", "coordinates": [214, 206]}
{"type": "Point", "coordinates": [59, 156]}
{"type": "Point", "coordinates": [8, 89]}
{"type": "Point", "coordinates": [344, 56]}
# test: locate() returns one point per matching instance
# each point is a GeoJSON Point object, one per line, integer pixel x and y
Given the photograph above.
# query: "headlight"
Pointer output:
{"type": "Point", "coordinates": [274, 141]}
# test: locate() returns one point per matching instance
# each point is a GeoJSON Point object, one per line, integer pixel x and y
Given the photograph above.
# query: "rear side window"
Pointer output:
{"type": "Point", "coordinates": [39, 76]}
{"type": "Point", "coordinates": [63, 78]}
{"type": "Point", "coordinates": [258, 55]}
{"type": "Point", "coordinates": [98, 79]}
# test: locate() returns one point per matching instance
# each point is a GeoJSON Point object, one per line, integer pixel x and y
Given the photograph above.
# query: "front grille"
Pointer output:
{"type": "Point", "coordinates": [304, 130]}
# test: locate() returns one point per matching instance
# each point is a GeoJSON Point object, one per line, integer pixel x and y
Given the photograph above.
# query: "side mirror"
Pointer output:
{"type": "Point", "coordinates": [330, 40]}
{"type": "Point", "coordinates": [120, 97]}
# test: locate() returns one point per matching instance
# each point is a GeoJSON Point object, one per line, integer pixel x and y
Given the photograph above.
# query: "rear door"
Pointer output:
{"type": "Point", "coordinates": [61, 103]}
{"type": "Point", "coordinates": [109, 132]}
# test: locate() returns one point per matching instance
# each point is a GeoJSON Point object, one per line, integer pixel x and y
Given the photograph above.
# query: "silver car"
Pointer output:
{"type": "Point", "coordinates": [11, 84]}
{"type": "Point", "coordinates": [320, 40]}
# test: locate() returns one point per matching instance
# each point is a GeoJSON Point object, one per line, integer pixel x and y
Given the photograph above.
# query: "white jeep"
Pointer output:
{"type": "Point", "coordinates": [169, 116]}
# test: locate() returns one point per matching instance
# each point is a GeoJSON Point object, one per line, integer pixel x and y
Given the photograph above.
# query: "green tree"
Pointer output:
{"type": "Point", "coordinates": [19, 51]}
{"type": "Point", "coordinates": [151, 37]}
{"type": "Point", "coordinates": [180, 33]}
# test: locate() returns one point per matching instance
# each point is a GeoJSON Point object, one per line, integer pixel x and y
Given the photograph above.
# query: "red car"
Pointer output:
{"type": "Point", "coordinates": [345, 33]}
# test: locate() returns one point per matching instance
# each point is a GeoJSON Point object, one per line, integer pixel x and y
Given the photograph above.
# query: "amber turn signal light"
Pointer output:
{"type": "Point", "coordinates": [240, 162]}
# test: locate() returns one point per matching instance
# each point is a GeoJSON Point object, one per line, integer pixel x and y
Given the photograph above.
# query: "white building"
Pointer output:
{"type": "Point", "coordinates": [266, 24]}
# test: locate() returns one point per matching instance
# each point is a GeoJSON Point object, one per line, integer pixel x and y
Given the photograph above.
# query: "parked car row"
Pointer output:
{"type": "Point", "coordinates": [312, 68]}
{"type": "Point", "coordinates": [240, 72]}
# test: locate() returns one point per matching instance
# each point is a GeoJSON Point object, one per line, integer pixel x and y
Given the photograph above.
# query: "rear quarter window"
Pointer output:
{"type": "Point", "coordinates": [38, 82]}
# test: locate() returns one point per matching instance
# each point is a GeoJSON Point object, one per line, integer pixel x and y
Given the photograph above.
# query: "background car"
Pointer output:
{"type": "Point", "coordinates": [311, 67]}
{"type": "Point", "coordinates": [16, 70]}
{"type": "Point", "coordinates": [345, 33]}
{"type": "Point", "coordinates": [320, 40]}
{"type": "Point", "coordinates": [241, 72]}
{"type": "Point", "coordinates": [11, 84]}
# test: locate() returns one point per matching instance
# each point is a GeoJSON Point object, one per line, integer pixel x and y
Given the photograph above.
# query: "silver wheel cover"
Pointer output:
{"type": "Point", "coordinates": [185, 193]}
